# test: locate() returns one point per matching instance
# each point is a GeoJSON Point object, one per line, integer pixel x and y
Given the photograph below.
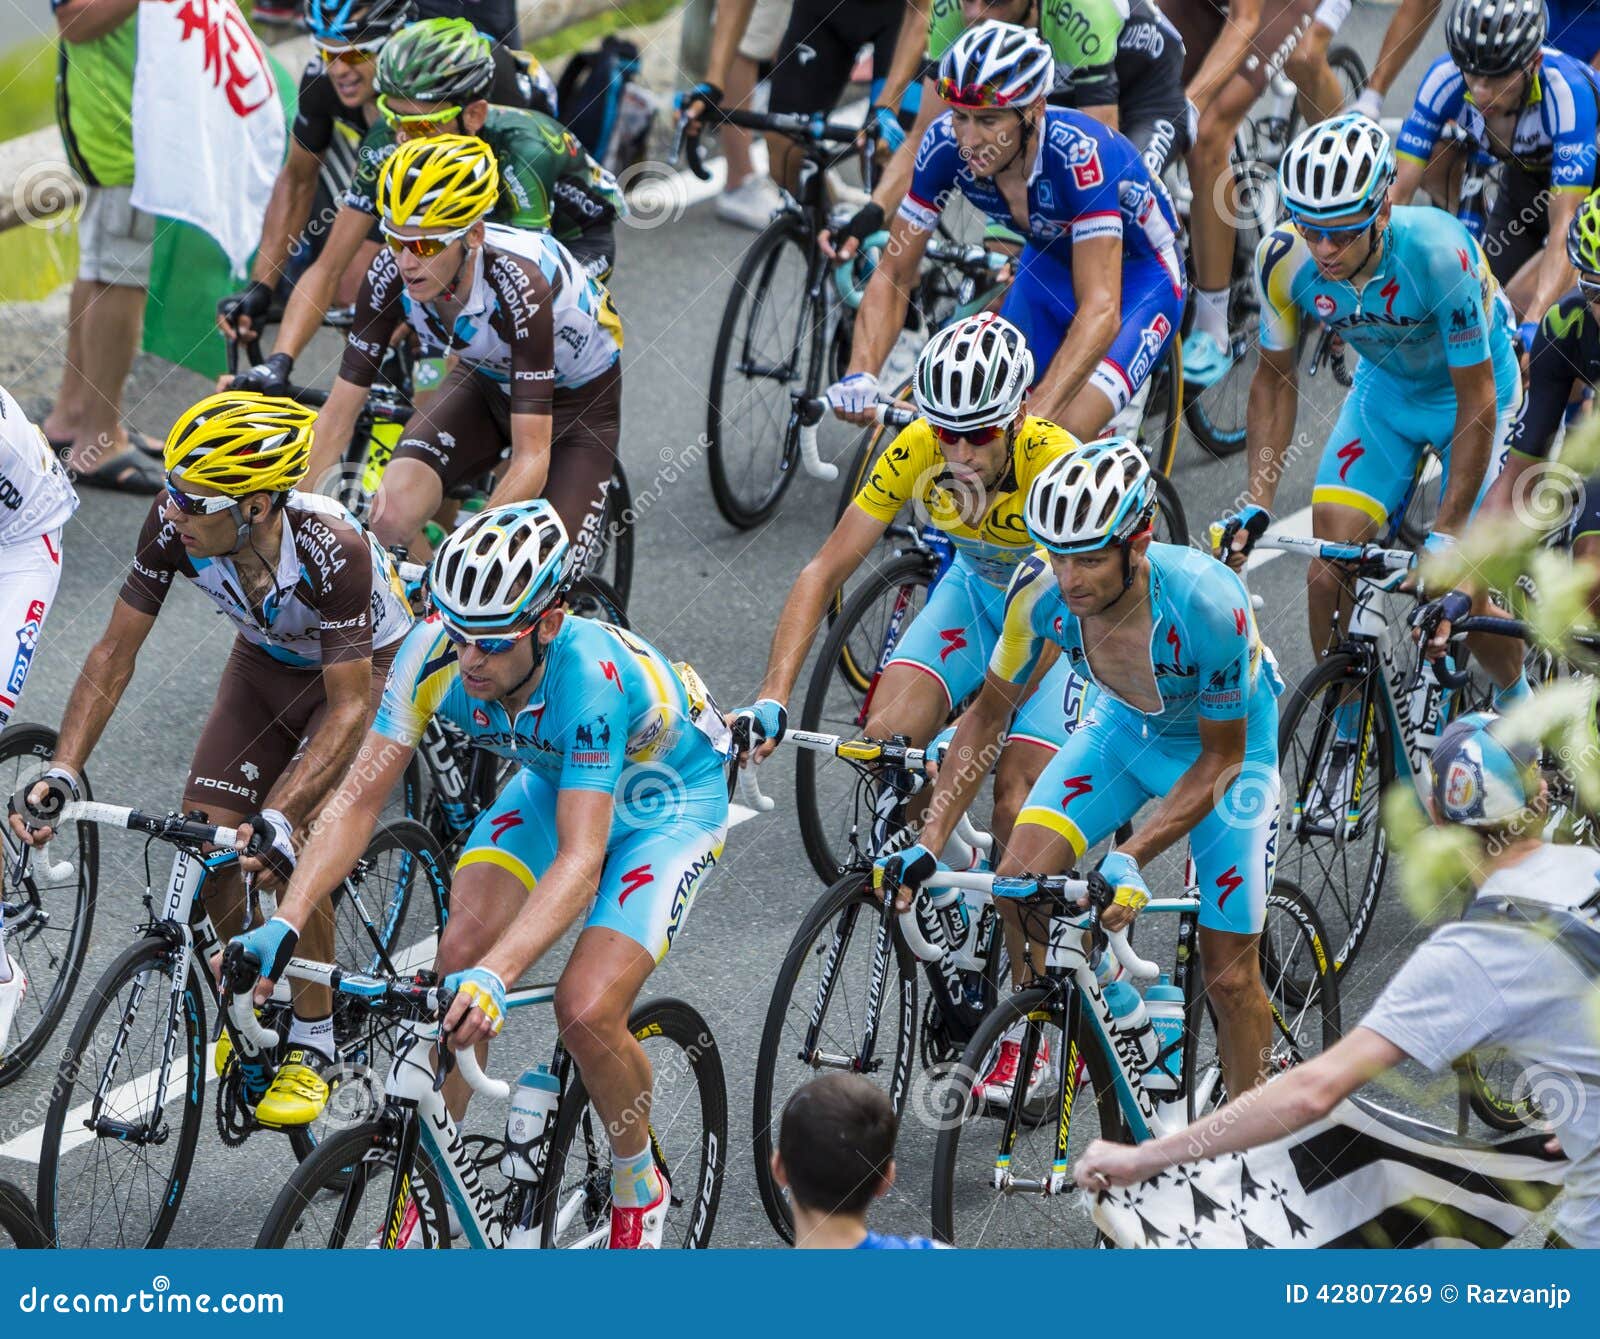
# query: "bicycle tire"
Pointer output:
{"type": "Point", "coordinates": [682, 1025]}
{"type": "Point", "coordinates": [1170, 506]}
{"type": "Point", "coordinates": [617, 525]}
{"type": "Point", "coordinates": [958, 1111]}
{"type": "Point", "coordinates": [849, 893]}
{"type": "Point", "coordinates": [149, 954]}
{"type": "Point", "coordinates": [1347, 922]}
{"type": "Point", "coordinates": [328, 1172]}
{"type": "Point", "coordinates": [1346, 63]}
{"type": "Point", "coordinates": [909, 570]}
{"type": "Point", "coordinates": [593, 597]}
{"type": "Point", "coordinates": [1163, 411]}
{"type": "Point", "coordinates": [31, 1031]}
{"type": "Point", "coordinates": [750, 290]}
{"type": "Point", "coordinates": [1494, 1101]}
{"type": "Point", "coordinates": [19, 1226]}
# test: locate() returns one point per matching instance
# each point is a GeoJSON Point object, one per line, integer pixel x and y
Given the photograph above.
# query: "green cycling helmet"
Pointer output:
{"type": "Point", "coordinates": [1583, 236]}
{"type": "Point", "coordinates": [437, 60]}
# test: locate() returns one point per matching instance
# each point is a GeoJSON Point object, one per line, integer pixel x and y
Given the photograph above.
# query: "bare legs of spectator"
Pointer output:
{"type": "Point", "coordinates": [104, 322]}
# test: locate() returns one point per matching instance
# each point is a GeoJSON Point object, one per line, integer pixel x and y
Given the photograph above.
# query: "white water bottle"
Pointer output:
{"type": "Point", "coordinates": [533, 1105]}
{"type": "Point", "coordinates": [1132, 1022]}
{"type": "Point", "coordinates": [1164, 1003]}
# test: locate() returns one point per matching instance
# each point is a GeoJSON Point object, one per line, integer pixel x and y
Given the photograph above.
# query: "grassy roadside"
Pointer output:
{"type": "Point", "coordinates": [633, 14]}
{"type": "Point", "coordinates": [27, 88]}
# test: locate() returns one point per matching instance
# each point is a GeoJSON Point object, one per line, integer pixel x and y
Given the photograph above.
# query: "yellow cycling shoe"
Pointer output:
{"type": "Point", "coordinates": [299, 1091]}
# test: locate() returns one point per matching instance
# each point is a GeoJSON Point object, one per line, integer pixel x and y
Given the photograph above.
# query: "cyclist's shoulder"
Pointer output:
{"type": "Point", "coordinates": [519, 135]}
{"type": "Point", "coordinates": [1432, 243]}
{"type": "Point", "coordinates": [426, 657]}
{"type": "Point", "coordinates": [1196, 585]}
{"type": "Point", "coordinates": [517, 259]}
{"type": "Point", "coordinates": [1082, 31]}
{"type": "Point", "coordinates": [878, 1241]}
{"type": "Point", "coordinates": [1039, 443]}
{"type": "Point", "coordinates": [1442, 84]}
{"type": "Point", "coordinates": [1563, 74]}
{"type": "Point", "coordinates": [1570, 323]}
{"type": "Point", "coordinates": [1281, 256]}
{"type": "Point", "coordinates": [1031, 583]}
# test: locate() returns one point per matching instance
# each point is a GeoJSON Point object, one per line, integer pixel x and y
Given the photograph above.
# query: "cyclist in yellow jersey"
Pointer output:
{"type": "Point", "coordinates": [966, 464]}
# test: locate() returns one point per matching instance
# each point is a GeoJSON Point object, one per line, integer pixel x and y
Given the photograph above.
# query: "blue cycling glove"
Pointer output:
{"type": "Point", "coordinates": [1122, 873]}
{"type": "Point", "coordinates": [1525, 334]}
{"type": "Point", "coordinates": [270, 946]}
{"type": "Point", "coordinates": [1251, 519]}
{"type": "Point", "coordinates": [885, 125]}
{"type": "Point", "coordinates": [485, 990]}
{"type": "Point", "coordinates": [939, 745]}
{"type": "Point", "coordinates": [915, 863]}
{"type": "Point", "coordinates": [769, 720]}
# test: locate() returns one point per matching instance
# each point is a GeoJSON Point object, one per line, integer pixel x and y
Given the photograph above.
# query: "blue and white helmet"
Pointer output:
{"type": "Point", "coordinates": [1099, 495]}
{"type": "Point", "coordinates": [501, 570]}
{"type": "Point", "coordinates": [996, 64]}
{"type": "Point", "coordinates": [1480, 779]}
{"type": "Point", "coordinates": [1337, 168]}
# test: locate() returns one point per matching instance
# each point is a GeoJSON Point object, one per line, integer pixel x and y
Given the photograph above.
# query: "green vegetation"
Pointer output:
{"type": "Point", "coordinates": [632, 14]}
{"type": "Point", "coordinates": [27, 88]}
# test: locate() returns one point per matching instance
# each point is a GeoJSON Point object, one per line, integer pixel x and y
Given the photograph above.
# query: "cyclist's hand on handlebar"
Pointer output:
{"type": "Point", "coordinates": [266, 847]}
{"type": "Point", "coordinates": [843, 244]}
{"type": "Point", "coordinates": [1236, 534]}
{"type": "Point", "coordinates": [769, 721]}
{"type": "Point", "coordinates": [34, 824]}
{"type": "Point", "coordinates": [938, 747]}
{"type": "Point", "coordinates": [478, 1011]}
{"type": "Point", "coordinates": [701, 103]}
{"type": "Point", "coordinates": [269, 378]}
{"type": "Point", "coordinates": [240, 315]}
{"type": "Point", "coordinates": [268, 948]}
{"type": "Point", "coordinates": [853, 398]}
{"type": "Point", "coordinates": [1121, 871]}
{"type": "Point", "coordinates": [1431, 624]}
{"type": "Point", "coordinates": [908, 868]}
{"type": "Point", "coordinates": [884, 127]}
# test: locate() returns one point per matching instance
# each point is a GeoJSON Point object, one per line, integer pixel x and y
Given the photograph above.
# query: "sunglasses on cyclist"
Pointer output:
{"type": "Point", "coordinates": [973, 436]}
{"type": "Point", "coordinates": [489, 646]}
{"type": "Point", "coordinates": [426, 247]}
{"type": "Point", "coordinates": [190, 505]}
{"type": "Point", "coordinates": [970, 95]}
{"type": "Point", "coordinates": [354, 53]}
{"type": "Point", "coordinates": [423, 125]}
{"type": "Point", "coordinates": [1589, 286]}
{"type": "Point", "coordinates": [1342, 236]}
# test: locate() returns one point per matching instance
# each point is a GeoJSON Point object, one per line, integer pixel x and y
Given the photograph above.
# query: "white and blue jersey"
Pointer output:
{"type": "Point", "coordinates": [1554, 133]}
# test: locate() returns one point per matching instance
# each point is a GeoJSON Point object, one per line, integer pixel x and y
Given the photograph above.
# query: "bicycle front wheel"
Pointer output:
{"type": "Point", "coordinates": [48, 919]}
{"type": "Point", "coordinates": [767, 347]}
{"type": "Point", "coordinates": [990, 1169]}
{"type": "Point", "coordinates": [113, 1166]}
{"type": "Point", "coordinates": [340, 1198]}
{"type": "Point", "coordinates": [19, 1228]}
{"type": "Point", "coordinates": [822, 1003]}
{"type": "Point", "coordinates": [688, 1133]}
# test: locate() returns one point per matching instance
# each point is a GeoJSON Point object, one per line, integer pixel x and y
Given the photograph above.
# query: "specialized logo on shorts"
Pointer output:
{"type": "Point", "coordinates": [1324, 304]}
{"type": "Point", "coordinates": [1227, 884]}
{"type": "Point", "coordinates": [1389, 292]}
{"type": "Point", "coordinates": [632, 881]}
{"type": "Point", "coordinates": [27, 640]}
{"type": "Point", "coordinates": [1074, 786]}
{"type": "Point", "coordinates": [502, 824]}
{"type": "Point", "coordinates": [1349, 453]}
{"type": "Point", "coordinates": [953, 639]}
{"type": "Point", "coordinates": [480, 716]}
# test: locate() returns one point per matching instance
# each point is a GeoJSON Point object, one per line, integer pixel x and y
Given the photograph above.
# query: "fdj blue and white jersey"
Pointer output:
{"type": "Point", "coordinates": [1555, 130]}
{"type": "Point", "coordinates": [611, 714]}
{"type": "Point", "coordinates": [1087, 181]}
{"type": "Point", "coordinates": [1430, 305]}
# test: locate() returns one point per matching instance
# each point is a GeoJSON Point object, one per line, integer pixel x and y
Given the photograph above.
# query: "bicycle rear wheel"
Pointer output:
{"type": "Point", "coordinates": [19, 1228]}
{"type": "Point", "coordinates": [1332, 844]}
{"type": "Point", "coordinates": [688, 1134]}
{"type": "Point", "coordinates": [614, 561]}
{"type": "Point", "coordinates": [973, 1149]}
{"type": "Point", "coordinates": [769, 344]}
{"type": "Point", "coordinates": [339, 1197]}
{"type": "Point", "coordinates": [875, 617]}
{"type": "Point", "coordinates": [816, 1020]}
{"type": "Point", "coordinates": [112, 1167]}
{"type": "Point", "coordinates": [47, 920]}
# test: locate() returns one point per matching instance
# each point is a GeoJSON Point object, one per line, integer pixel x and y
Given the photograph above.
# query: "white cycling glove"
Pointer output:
{"type": "Point", "coordinates": [856, 394]}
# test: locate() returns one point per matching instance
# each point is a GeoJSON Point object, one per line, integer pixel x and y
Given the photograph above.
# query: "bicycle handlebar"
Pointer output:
{"type": "Point", "coordinates": [1392, 560]}
{"type": "Point", "coordinates": [166, 827]}
{"type": "Point", "coordinates": [809, 411]}
{"type": "Point", "coordinates": [809, 127]}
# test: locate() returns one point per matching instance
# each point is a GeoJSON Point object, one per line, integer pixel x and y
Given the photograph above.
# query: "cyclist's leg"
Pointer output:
{"type": "Point", "coordinates": [30, 571]}
{"type": "Point", "coordinates": [1586, 539]}
{"type": "Point", "coordinates": [1211, 231]}
{"type": "Point", "coordinates": [455, 436]}
{"type": "Point", "coordinates": [808, 75]}
{"type": "Point", "coordinates": [646, 891]}
{"type": "Point", "coordinates": [1320, 95]}
{"type": "Point", "coordinates": [1366, 468]}
{"type": "Point", "coordinates": [586, 426]}
{"type": "Point", "coordinates": [1040, 303]}
{"type": "Point", "coordinates": [1152, 311]}
{"type": "Point", "coordinates": [1234, 848]}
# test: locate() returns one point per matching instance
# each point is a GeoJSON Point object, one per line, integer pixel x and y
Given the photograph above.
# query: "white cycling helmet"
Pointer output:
{"type": "Point", "coordinates": [1097, 496]}
{"type": "Point", "coordinates": [996, 64]}
{"type": "Point", "coordinates": [973, 374]}
{"type": "Point", "coordinates": [1336, 168]}
{"type": "Point", "coordinates": [501, 570]}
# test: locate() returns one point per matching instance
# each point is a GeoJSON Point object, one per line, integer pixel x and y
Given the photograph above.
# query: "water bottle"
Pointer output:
{"type": "Point", "coordinates": [1107, 969]}
{"type": "Point", "coordinates": [1164, 1003]}
{"type": "Point", "coordinates": [533, 1106]}
{"type": "Point", "coordinates": [1132, 1024]}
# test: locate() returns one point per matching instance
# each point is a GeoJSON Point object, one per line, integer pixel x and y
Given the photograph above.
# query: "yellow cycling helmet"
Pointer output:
{"type": "Point", "coordinates": [1583, 236]}
{"type": "Point", "coordinates": [240, 442]}
{"type": "Point", "coordinates": [446, 181]}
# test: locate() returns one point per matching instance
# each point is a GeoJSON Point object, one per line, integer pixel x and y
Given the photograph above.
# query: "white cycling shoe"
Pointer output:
{"type": "Point", "coordinates": [11, 994]}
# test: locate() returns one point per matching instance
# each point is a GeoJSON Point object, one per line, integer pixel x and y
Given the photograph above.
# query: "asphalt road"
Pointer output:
{"type": "Point", "coordinates": [702, 592]}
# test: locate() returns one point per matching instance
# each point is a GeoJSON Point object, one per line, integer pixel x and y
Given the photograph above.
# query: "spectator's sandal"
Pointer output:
{"type": "Point", "coordinates": [131, 472]}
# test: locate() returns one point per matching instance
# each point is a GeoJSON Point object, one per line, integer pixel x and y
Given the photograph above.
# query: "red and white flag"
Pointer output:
{"type": "Point", "coordinates": [208, 128]}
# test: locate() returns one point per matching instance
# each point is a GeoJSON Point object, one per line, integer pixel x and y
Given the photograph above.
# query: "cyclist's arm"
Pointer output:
{"type": "Point", "coordinates": [1222, 62]}
{"type": "Point", "coordinates": [882, 313]}
{"type": "Point", "coordinates": [288, 209]}
{"type": "Point", "coordinates": [1097, 281]}
{"type": "Point", "coordinates": [1274, 392]}
{"type": "Point", "coordinates": [909, 53]}
{"type": "Point", "coordinates": [1471, 445]}
{"type": "Point", "coordinates": [85, 20]}
{"type": "Point", "coordinates": [1553, 371]}
{"type": "Point", "coordinates": [895, 179]}
{"type": "Point", "coordinates": [315, 291]}
{"type": "Point", "coordinates": [1107, 115]}
{"type": "Point", "coordinates": [336, 420]}
{"type": "Point", "coordinates": [978, 734]}
{"type": "Point", "coordinates": [1555, 274]}
{"type": "Point", "coordinates": [1266, 1113]}
{"type": "Point", "coordinates": [100, 684]}
{"type": "Point", "coordinates": [378, 311]}
{"type": "Point", "coordinates": [1439, 99]}
{"type": "Point", "coordinates": [332, 848]}
{"type": "Point", "coordinates": [583, 823]}
{"type": "Point", "coordinates": [529, 330]}
{"type": "Point", "coordinates": [841, 554]}
{"type": "Point", "coordinates": [300, 792]}
{"type": "Point", "coordinates": [528, 470]}
{"type": "Point", "coordinates": [1401, 38]}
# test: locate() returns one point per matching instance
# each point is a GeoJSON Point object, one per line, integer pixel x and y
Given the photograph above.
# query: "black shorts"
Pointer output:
{"type": "Point", "coordinates": [1518, 222]}
{"type": "Point", "coordinates": [819, 48]}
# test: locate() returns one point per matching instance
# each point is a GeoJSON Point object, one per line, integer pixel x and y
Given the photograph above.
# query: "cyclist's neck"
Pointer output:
{"type": "Point", "coordinates": [1380, 252]}
{"type": "Point", "coordinates": [1504, 854]}
{"type": "Point", "coordinates": [827, 1231]}
{"type": "Point", "coordinates": [262, 544]}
